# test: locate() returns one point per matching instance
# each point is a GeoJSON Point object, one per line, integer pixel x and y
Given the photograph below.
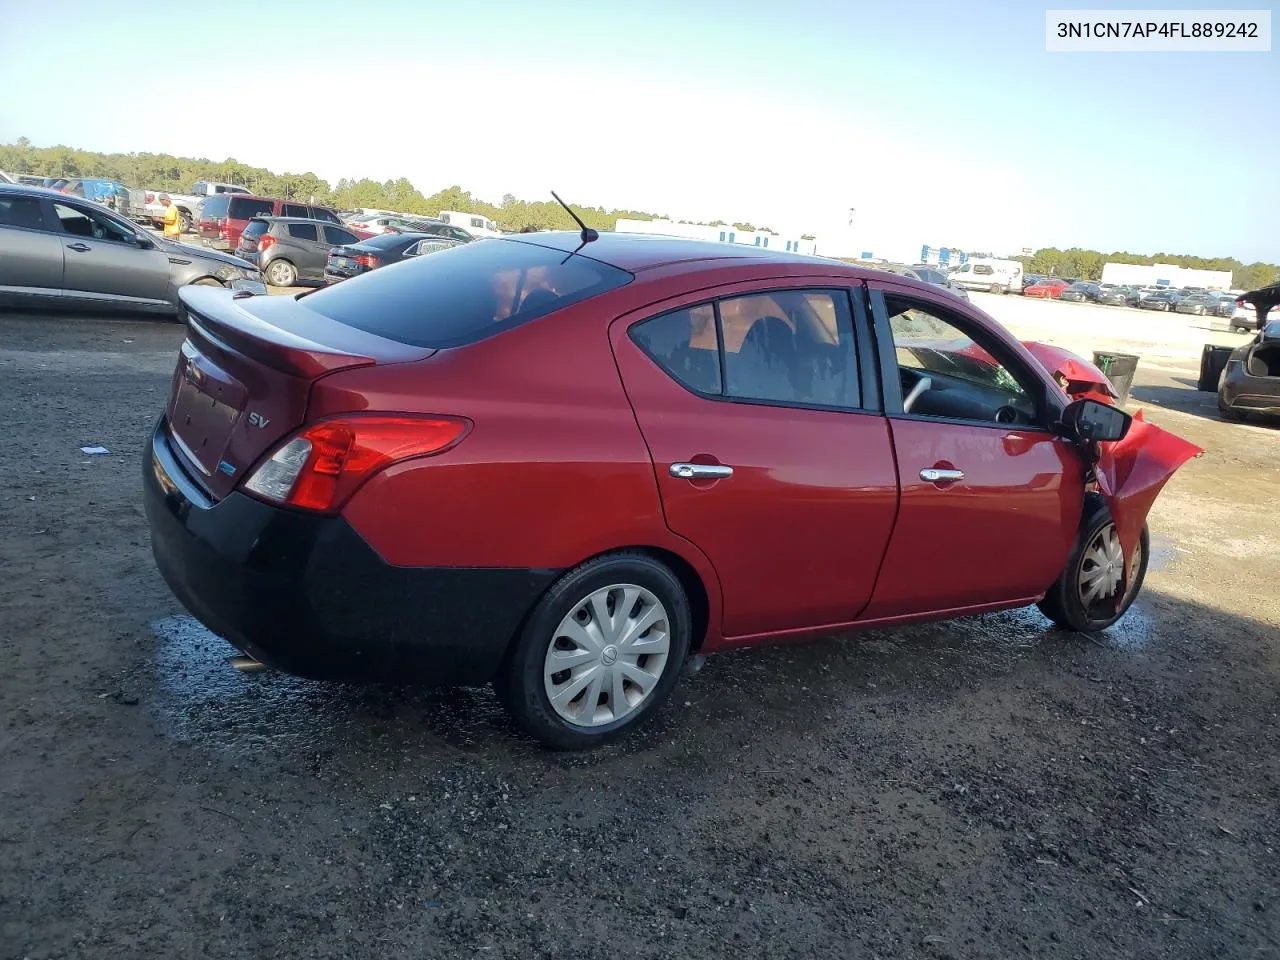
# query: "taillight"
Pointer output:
{"type": "Point", "coordinates": [367, 260]}
{"type": "Point", "coordinates": [323, 465]}
{"type": "Point", "coordinates": [266, 242]}
{"type": "Point", "coordinates": [224, 230]}
{"type": "Point", "coordinates": [151, 198]}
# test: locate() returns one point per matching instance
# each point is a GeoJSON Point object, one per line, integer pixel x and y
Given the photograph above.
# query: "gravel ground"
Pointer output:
{"type": "Point", "coordinates": [985, 788]}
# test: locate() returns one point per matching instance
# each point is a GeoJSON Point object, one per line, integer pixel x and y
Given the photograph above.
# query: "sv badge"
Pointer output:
{"type": "Point", "coordinates": [258, 420]}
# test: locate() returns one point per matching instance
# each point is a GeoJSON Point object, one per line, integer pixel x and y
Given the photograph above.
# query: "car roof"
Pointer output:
{"type": "Point", "coordinates": [270, 219]}
{"type": "Point", "coordinates": [634, 252]}
{"type": "Point", "coordinates": [34, 191]}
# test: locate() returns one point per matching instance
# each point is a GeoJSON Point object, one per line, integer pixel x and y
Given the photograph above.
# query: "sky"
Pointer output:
{"type": "Point", "coordinates": [938, 123]}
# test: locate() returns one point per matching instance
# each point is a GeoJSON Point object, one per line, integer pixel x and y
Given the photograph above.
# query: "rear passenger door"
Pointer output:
{"type": "Point", "coordinates": [30, 253]}
{"type": "Point", "coordinates": [309, 251]}
{"type": "Point", "coordinates": [768, 448]}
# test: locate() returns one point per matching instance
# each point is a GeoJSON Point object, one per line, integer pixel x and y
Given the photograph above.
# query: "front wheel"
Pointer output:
{"type": "Point", "coordinates": [599, 653]}
{"type": "Point", "coordinates": [1084, 596]}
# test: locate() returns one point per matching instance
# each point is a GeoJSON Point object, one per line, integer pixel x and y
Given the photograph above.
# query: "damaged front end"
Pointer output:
{"type": "Point", "coordinates": [1130, 472]}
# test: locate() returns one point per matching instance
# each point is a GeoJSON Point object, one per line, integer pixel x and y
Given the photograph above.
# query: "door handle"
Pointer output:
{"type": "Point", "coordinates": [701, 471]}
{"type": "Point", "coordinates": [936, 475]}
{"type": "Point", "coordinates": [79, 247]}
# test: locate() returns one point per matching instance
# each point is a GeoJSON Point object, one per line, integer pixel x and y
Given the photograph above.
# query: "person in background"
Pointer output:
{"type": "Point", "coordinates": [172, 224]}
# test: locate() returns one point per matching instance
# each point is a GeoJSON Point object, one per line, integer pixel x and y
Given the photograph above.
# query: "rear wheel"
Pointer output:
{"type": "Point", "coordinates": [599, 653]}
{"type": "Point", "coordinates": [1084, 596]}
{"type": "Point", "coordinates": [185, 221]}
{"type": "Point", "coordinates": [282, 273]}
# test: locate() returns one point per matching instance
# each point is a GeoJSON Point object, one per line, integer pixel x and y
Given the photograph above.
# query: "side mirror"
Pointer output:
{"type": "Point", "coordinates": [1092, 421]}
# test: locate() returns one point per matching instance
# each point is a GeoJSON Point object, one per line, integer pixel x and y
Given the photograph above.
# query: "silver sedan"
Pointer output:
{"type": "Point", "coordinates": [62, 251]}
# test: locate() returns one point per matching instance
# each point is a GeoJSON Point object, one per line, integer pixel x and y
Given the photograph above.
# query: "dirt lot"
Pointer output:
{"type": "Point", "coordinates": [987, 788]}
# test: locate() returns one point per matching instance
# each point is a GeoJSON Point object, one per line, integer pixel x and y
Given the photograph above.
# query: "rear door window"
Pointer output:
{"type": "Point", "coordinates": [471, 292]}
{"type": "Point", "coordinates": [786, 346]}
{"type": "Point", "coordinates": [303, 231]}
{"type": "Point", "coordinates": [245, 208]}
{"type": "Point", "coordinates": [255, 229]}
{"type": "Point", "coordinates": [21, 212]}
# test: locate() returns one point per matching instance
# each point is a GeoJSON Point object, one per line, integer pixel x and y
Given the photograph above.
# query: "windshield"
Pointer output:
{"type": "Point", "coordinates": [471, 292]}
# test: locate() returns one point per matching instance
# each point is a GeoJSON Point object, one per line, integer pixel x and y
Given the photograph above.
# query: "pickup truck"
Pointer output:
{"type": "Point", "coordinates": [147, 208]}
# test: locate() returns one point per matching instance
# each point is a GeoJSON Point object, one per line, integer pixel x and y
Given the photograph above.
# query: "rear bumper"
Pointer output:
{"type": "Point", "coordinates": [309, 596]}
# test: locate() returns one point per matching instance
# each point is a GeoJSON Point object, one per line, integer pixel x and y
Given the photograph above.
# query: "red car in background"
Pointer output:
{"type": "Point", "coordinates": [223, 217]}
{"type": "Point", "coordinates": [563, 464]}
{"type": "Point", "coordinates": [1048, 289]}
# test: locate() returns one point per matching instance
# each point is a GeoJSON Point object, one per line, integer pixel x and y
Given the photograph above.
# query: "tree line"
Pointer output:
{"type": "Point", "coordinates": [1087, 265]}
{"type": "Point", "coordinates": [161, 171]}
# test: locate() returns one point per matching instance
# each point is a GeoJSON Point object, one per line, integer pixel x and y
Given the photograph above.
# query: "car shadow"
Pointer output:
{"type": "Point", "coordinates": [1186, 398]}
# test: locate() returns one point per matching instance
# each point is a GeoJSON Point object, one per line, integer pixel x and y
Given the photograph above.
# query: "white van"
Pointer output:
{"type": "Point", "coordinates": [473, 223]}
{"type": "Point", "coordinates": [995, 276]}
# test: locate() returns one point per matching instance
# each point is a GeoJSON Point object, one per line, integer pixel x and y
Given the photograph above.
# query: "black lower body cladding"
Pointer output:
{"type": "Point", "coordinates": [307, 594]}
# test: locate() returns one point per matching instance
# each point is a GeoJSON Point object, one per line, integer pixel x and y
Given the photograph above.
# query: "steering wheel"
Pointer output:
{"type": "Point", "coordinates": [923, 384]}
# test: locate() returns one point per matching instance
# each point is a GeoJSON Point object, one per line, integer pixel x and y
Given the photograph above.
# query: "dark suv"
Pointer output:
{"type": "Point", "coordinates": [289, 249]}
{"type": "Point", "coordinates": [223, 218]}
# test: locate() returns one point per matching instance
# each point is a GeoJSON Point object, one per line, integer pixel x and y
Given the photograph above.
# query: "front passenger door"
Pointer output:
{"type": "Point", "coordinates": [103, 261]}
{"type": "Point", "coordinates": [991, 498]}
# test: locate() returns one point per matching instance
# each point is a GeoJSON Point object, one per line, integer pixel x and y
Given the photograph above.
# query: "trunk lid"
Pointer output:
{"type": "Point", "coordinates": [244, 377]}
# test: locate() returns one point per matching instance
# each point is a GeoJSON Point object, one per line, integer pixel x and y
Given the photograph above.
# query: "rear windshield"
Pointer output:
{"type": "Point", "coordinates": [462, 295]}
{"type": "Point", "coordinates": [256, 228]}
{"type": "Point", "coordinates": [242, 208]}
{"type": "Point", "coordinates": [215, 208]}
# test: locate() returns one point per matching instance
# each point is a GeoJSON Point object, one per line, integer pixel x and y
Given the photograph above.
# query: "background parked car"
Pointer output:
{"type": "Point", "coordinates": [927, 273]}
{"type": "Point", "coordinates": [1166, 300]}
{"type": "Point", "coordinates": [1112, 295]}
{"type": "Point", "coordinates": [1198, 304]}
{"type": "Point", "coordinates": [65, 251]}
{"type": "Point", "coordinates": [1030, 279]}
{"type": "Point", "coordinates": [380, 251]}
{"type": "Point", "coordinates": [224, 217]}
{"type": "Point", "coordinates": [1081, 292]}
{"type": "Point", "coordinates": [991, 275]}
{"type": "Point", "coordinates": [1049, 289]}
{"type": "Point", "coordinates": [289, 249]}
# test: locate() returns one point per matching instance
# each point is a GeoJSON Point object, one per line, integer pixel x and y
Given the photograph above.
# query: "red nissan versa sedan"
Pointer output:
{"type": "Point", "coordinates": [564, 471]}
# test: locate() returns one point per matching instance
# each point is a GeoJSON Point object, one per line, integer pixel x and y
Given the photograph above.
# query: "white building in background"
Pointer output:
{"type": "Point", "coordinates": [720, 234]}
{"type": "Point", "coordinates": [1165, 275]}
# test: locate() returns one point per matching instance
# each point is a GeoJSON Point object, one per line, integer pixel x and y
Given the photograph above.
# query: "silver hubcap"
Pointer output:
{"type": "Point", "coordinates": [607, 656]}
{"type": "Point", "coordinates": [1102, 566]}
{"type": "Point", "coordinates": [279, 274]}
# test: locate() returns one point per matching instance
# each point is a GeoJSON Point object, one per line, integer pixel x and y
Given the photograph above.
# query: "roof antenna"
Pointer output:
{"type": "Point", "coordinates": [587, 233]}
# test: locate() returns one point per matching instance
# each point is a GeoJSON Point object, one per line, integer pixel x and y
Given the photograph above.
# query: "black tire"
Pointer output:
{"type": "Point", "coordinates": [281, 273]}
{"type": "Point", "coordinates": [997, 289]}
{"type": "Point", "coordinates": [1063, 603]}
{"type": "Point", "coordinates": [184, 221]}
{"type": "Point", "coordinates": [520, 683]}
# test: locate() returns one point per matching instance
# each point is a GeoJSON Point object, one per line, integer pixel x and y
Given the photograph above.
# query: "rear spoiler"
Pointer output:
{"type": "Point", "coordinates": [219, 318]}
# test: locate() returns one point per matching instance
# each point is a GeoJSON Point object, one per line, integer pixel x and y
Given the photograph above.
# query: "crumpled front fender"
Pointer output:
{"type": "Point", "coordinates": [1130, 475]}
